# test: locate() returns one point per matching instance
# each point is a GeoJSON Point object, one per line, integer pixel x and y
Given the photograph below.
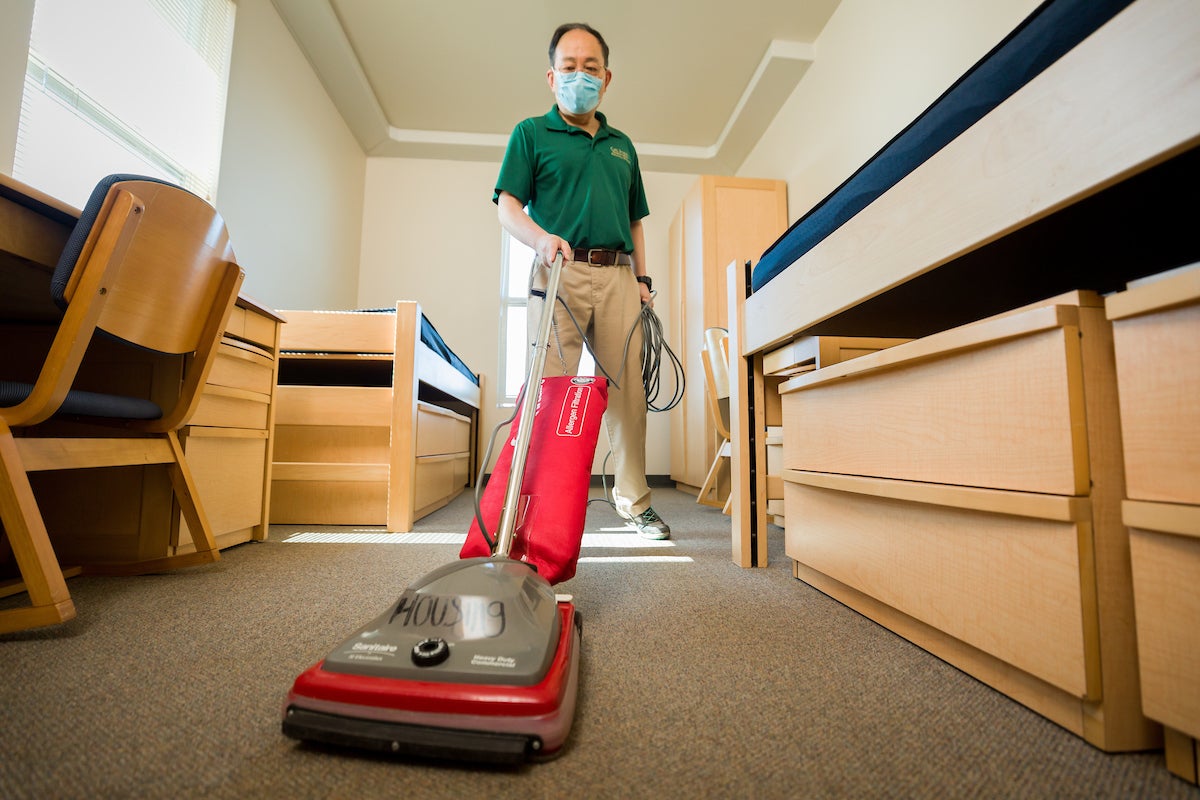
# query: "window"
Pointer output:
{"type": "Point", "coordinates": [516, 260]}
{"type": "Point", "coordinates": [124, 86]}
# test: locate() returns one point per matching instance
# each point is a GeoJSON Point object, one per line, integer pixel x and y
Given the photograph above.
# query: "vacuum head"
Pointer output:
{"type": "Point", "coordinates": [478, 661]}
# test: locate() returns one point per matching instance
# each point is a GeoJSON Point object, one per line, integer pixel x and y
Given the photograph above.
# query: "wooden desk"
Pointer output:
{"type": "Point", "coordinates": [127, 513]}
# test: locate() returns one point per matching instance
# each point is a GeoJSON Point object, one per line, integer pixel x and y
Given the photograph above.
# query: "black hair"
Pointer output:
{"type": "Point", "coordinates": [577, 26]}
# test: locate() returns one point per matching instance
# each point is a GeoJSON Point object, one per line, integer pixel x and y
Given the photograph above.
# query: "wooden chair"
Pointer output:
{"type": "Point", "coordinates": [151, 265]}
{"type": "Point", "coordinates": [715, 358]}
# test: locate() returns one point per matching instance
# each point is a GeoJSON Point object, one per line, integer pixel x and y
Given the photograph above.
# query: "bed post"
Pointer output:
{"type": "Point", "coordinates": [748, 500]}
{"type": "Point", "coordinates": [402, 486]}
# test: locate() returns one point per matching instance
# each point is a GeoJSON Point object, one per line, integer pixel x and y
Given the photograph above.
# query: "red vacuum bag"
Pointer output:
{"type": "Point", "coordinates": [554, 489]}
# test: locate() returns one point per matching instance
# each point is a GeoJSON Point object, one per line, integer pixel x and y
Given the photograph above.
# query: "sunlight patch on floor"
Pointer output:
{"type": "Point", "coordinates": [374, 537]}
{"type": "Point", "coordinates": [617, 541]}
{"type": "Point", "coordinates": [622, 541]}
{"type": "Point", "coordinates": [636, 560]}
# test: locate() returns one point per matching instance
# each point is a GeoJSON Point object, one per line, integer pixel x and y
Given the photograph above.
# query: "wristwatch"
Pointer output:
{"type": "Point", "coordinates": [646, 280]}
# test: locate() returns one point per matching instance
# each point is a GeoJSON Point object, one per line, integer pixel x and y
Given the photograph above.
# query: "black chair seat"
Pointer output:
{"type": "Point", "coordinates": [86, 404]}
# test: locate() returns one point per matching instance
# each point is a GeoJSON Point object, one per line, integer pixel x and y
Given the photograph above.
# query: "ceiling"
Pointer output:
{"type": "Point", "coordinates": [695, 82]}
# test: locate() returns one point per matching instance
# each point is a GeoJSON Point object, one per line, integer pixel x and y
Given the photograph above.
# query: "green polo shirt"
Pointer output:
{"type": "Point", "coordinates": [585, 189]}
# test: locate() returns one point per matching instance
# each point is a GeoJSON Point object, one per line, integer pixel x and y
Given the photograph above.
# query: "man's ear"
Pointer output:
{"type": "Point", "coordinates": [550, 78]}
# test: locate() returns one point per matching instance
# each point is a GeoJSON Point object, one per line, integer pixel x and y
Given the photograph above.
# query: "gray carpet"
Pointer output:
{"type": "Point", "coordinates": [699, 679]}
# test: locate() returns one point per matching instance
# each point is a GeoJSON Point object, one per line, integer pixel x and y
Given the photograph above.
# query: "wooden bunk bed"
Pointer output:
{"type": "Point", "coordinates": [376, 422]}
{"type": "Point", "coordinates": [966, 488]}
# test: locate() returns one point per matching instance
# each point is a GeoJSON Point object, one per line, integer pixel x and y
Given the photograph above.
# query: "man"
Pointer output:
{"type": "Point", "coordinates": [580, 179]}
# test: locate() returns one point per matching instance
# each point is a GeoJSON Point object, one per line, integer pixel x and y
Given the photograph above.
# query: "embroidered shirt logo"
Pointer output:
{"type": "Point", "coordinates": [621, 154]}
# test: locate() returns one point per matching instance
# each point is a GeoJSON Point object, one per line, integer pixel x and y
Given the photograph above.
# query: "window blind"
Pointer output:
{"type": "Point", "coordinates": [124, 86]}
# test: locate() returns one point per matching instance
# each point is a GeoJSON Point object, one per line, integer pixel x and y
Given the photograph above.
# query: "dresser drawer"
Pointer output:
{"type": "Point", "coordinates": [1156, 336]}
{"type": "Point", "coordinates": [242, 366]}
{"type": "Point", "coordinates": [996, 404]}
{"type": "Point", "coordinates": [229, 479]}
{"type": "Point", "coordinates": [440, 431]}
{"type": "Point", "coordinates": [329, 494]}
{"type": "Point", "coordinates": [221, 407]}
{"type": "Point", "coordinates": [341, 444]}
{"type": "Point", "coordinates": [369, 406]}
{"type": "Point", "coordinates": [1165, 553]}
{"type": "Point", "coordinates": [999, 571]}
{"type": "Point", "coordinates": [438, 478]}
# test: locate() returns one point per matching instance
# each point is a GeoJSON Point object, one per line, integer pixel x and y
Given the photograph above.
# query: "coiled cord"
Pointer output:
{"type": "Point", "coordinates": [653, 346]}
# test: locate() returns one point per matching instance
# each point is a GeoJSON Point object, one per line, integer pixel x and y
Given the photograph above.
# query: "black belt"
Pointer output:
{"type": "Point", "coordinates": [599, 257]}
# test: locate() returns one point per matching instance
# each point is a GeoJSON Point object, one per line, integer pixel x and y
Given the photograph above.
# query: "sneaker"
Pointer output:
{"type": "Point", "coordinates": [651, 526]}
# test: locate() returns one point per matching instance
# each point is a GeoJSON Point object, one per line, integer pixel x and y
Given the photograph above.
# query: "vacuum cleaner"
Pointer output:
{"type": "Point", "coordinates": [479, 659]}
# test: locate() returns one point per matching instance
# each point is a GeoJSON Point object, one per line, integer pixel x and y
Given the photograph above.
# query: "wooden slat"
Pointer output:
{"type": "Point", "coordinates": [46, 454]}
{"type": "Point", "coordinates": [1181, 520]}
{"type": "Point", "coordinates": [942, 345]}
{"type": "Point", "coordinates": [1175, 288]}
{"type": "Point", "coordinates": [338, 332]}
{"type": "Point", "coordinates": [1021, 504]}
{"type": "Point", "coordinates": [747, 497]}
{"type": "Point", "coordinates": [329, 472]}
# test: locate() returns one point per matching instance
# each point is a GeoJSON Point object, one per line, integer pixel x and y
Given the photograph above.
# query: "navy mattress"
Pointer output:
{"type": "Point", "coordinates": [434, 341]}
{"type": "Point", "coordinates": [1042, 38]}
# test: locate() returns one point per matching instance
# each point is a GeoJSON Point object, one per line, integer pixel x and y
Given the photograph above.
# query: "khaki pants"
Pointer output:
{"type": "Point", "coordinates": [606, 303]}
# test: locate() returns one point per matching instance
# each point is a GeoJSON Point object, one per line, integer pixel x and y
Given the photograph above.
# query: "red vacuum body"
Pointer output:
{"type": "Point", "coordinates": [554, 488]}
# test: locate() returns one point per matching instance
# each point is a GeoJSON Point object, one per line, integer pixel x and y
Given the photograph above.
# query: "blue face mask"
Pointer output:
{"type": "Point", "coordinates": [577, 92]}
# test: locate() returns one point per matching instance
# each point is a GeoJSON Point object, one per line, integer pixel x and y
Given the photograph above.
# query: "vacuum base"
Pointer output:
{"type": "Point", "coordinates": [481, 723]}
{"type": "Point", "coordinates": [410, 740]}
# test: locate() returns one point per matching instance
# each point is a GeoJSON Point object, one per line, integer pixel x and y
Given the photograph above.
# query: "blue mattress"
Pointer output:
{"type": "Point", "coordinates": [1042, 38]}
{"type": "Point", "coordinates": [434, 341]}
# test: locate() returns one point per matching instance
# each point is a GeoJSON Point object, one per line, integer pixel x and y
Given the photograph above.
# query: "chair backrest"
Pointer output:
{"type": "Point", "coordinates": [150, 264]}
{"type": "Point", "coordinates": [715, 358]}
{"type": "Point", "coordinates": [165, 275]}
{"type": "Point", "coordinates": [73, 249]}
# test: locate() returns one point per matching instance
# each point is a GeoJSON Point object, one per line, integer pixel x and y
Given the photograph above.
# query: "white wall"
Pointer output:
{"type": "Point", "coordinates": [16, 21]}
{"type": "Point", "coordinates": [878, 65]}
{"type": "Point", "coordinates": [291, 184]}
{"type": "Point", "coordinates": [430, 233]}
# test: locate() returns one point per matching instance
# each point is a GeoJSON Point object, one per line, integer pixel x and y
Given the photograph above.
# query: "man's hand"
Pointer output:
{"type": "Point", "coordinates": [549, 246]}
{"type": "Point", "coordinates": [647, 298]}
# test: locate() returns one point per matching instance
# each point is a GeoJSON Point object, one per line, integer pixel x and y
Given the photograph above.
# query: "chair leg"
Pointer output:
{"type": "Point", "coordinates": [710, 492]}
{"type": "Point", "coordinates": [50, 602]}
{"type": "Point", "coordinates": [184, 487]}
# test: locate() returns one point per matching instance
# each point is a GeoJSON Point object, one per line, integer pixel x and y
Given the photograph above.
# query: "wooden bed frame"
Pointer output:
{"type": "Point", "coordinates": [934, 260]}
{"type": "Point", "coordinates": [373, 427]}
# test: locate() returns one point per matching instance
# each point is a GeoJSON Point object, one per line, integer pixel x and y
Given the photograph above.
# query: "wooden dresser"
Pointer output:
{"type": "Point", "coordinates": [229, 441]}
{"type": "Point", "coordinates": [965, 489]}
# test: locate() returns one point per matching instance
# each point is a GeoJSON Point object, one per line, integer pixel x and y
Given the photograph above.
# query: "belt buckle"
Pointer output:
{"type": "Point", "coordinates": [599, 250]}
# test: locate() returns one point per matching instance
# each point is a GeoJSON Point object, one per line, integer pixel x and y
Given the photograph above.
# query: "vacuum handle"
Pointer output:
{"type": "Point", "coordinates": [533, 385]}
